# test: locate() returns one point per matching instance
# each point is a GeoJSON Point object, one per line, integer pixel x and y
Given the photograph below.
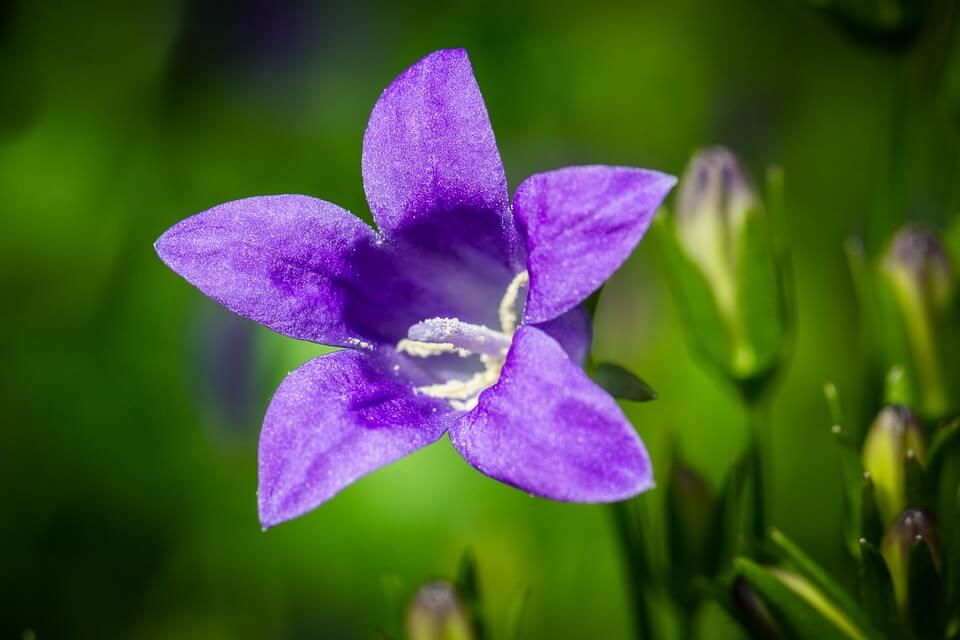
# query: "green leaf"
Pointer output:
{"type": "Point", "coordinates": [803, 609]}
{"type": "Point", "coordinates": [945, 440]}
{"type": "Point", "coordinates": [518, 607]}
{"type": "Point", "coordinates": [726, 519]}
{"type": "Point", "coordinates": [876, 591]}
{"type": "Point", "coordinates": [622, 384]}
{"type": "Point", "coordinates": [917, 489]}
{"type": "Point", "coordinates": [851, 467]}
{"type": "Point", "coordinates": [871, 525]}
{"type": "Point", "coordinates": [925, 604]}
{"type": "Point", "coordinates": [815, 574]}
{"type": "Point", "coordinates": [468, 587]}
{"type": "Point", "coordinates": [706, 329]}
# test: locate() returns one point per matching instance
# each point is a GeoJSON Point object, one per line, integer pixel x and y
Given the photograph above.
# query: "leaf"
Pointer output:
{"type": "Point", "coordinates": [622, 384]}
{"type": "Point", "coordinates": [876, 591]}
{"type": "Point", "coordinates": [917, 489]}
{"type": "Point", "coordinates": [518, 607]}
{"type": "Point", "coordinates": [851, 467]}
{"type": "Point", "coordinates": [468, 586]}
{"type": "Point", "coordinates": [805, 611]}
{"type": "Point", "coordinates": [945, 439]}
{"type": "Point", "coordinates": [726, 519]}
{"type": "Point", "coordinates": [815, 574]}
{"type": "Point", "coordinates": [871, 525]}
{"type": "Point", "coordinates": [925, 602]}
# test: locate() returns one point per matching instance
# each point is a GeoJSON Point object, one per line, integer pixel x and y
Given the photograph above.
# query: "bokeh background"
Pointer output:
{"type": "Point", "coordinates": [131, 404]}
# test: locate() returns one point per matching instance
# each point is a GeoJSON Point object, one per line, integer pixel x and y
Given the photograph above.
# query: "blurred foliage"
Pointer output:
{"type": "Point", "coordinates": [131, 405]}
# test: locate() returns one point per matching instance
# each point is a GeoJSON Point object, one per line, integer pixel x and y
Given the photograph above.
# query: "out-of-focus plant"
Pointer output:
{"type": "Point", "coordinates": [453, 610]}
{"type": "Point", "coordinates": [912, 318]}
{"type": "Point", "coordinates": [889, 22]}
{"type": "Point", "coordinates": [919, 276]}
{"type": "Point", "coordinates": [727, 270]}
{"type": "Point", "coordinates": [728, 266]}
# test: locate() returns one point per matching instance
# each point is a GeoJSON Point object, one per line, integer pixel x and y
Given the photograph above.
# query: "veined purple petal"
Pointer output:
{"type": "Point", "coordinates": [429, 148]}
{"type": "Point", "coordinates": [333, 420]}
{"type": "Point", "coordinates": [547, 429]}
{"type": "Point", "coordinates": [581, 223]}
{"type": "Point", "coordinates": [285, 261]}
{"type": "Point", "coordinates": [573, 330]}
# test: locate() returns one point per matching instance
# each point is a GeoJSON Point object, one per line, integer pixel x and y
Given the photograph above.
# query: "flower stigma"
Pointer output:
{"type": "Point", "coordinates": [436, 336]}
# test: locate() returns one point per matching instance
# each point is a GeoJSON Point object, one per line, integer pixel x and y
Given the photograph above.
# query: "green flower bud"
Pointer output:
{"type": "Point", "coordinates": [725, 267]}
{"type": "Point", "coordinates": [894, 434]}
{"type": "Point", "coordinates": [913, 526]}
{"type": "Point", "coordinates": [923, 283]}
{"type": "Point", "coordinates": [436, 613]}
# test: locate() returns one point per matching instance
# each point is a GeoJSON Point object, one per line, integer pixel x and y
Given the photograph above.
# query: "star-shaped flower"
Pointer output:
{"type": "Point", "coordinates": [459, 316]}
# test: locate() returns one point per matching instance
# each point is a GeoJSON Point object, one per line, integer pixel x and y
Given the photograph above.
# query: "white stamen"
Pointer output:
{"type": "Point", "coordinates": [474, 338]}
{"type": "Point", "coordinates": [509, 313]}
{"type": "Point", "coordinates": [427, 349]}
{"type": "Point", "coordinates": [436, 336]}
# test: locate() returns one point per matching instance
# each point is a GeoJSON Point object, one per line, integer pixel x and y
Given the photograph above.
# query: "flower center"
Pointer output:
{"type": "Point", "coordinates": [436, 336]}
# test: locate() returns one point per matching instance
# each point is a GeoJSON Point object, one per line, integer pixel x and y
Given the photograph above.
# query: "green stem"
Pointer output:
{"type": "Point", "coordinates": [638, 569]}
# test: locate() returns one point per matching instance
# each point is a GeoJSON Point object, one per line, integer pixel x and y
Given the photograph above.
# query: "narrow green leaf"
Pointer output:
{"type": "Point", "coordinates": [876, 591]}
{"type": "Point", "coordinates": [518, 607]}
{"type": "Point", "coordinates": [871, 525]}
{"type": "Point", "coordinates": [945, 440]}
{"type": "Point", "coordinates": [804, 610]}
{"type": "Point", "coordinates": [622, 384]}
{"type": "Point", "coordinates": [726, 519]}
{"type": "Point", "coordinates": [468, 587]}
{"type": "Point", "coordinates": [917, 489]}
{"type": "Point", "coordinates": [851, 467]}
{"type": "Point", "coordinates": [815, 574]}
{"type": "Point", "coordinates": [925, 603]}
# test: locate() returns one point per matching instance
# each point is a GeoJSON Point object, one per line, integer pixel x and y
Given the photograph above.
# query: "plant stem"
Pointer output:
{"type": "Point", "coordinates": [638, 569]}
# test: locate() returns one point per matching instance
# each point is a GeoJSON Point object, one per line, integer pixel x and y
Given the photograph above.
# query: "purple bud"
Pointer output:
{"type": "Point", "coordinates": [436, 613]}
{"type": "Point", "coordinates": [923, 283]}
{"type": "Point", "coordinates": [912, 526]}
{"type": "Point", "coordinates": [895, 433]}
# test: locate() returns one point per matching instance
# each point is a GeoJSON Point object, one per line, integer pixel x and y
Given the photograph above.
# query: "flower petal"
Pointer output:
{"type": "Point", "coordinates": [284, 261]}
{"type": "Point", "coordinates": [333, 420]}
{"type": "Point", "coordinates": [429, 147]}
{"type": "Point", "coordinates": [573, 330]}
{"type": "Point", "coordinates": [581, 223]}
{"type": "Point", "coordinates": [547, 429]}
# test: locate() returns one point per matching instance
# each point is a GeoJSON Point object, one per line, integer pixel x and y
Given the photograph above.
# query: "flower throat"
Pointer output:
{"type": "Point", "coordinates": [436, 336]}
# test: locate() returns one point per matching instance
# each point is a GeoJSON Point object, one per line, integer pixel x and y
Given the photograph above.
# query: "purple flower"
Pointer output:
{"type": "Point", "coordinates": [460, 315]}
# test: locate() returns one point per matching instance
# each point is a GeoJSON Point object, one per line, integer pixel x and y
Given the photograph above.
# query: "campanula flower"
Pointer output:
{"type": "Point", "coordinates": [460, 314]}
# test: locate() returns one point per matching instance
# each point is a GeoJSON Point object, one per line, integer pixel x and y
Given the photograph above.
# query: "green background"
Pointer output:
{"type": "Point", "coordinates": [131, 404]}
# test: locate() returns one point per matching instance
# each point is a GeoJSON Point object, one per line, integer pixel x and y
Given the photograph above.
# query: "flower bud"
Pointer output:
{"type": "Point", "coordinates": [913, 526]}
{"type": "Point", "coordinates": [895, 432]}
{"type": "Point", "coordinates": [727, 274]}
{"type": "Point", "coordinates": [713, 203]}
{"type": "Point", "coordinates": [436, 613]}
{"type": "Point", "coordinates": [923, 283]}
